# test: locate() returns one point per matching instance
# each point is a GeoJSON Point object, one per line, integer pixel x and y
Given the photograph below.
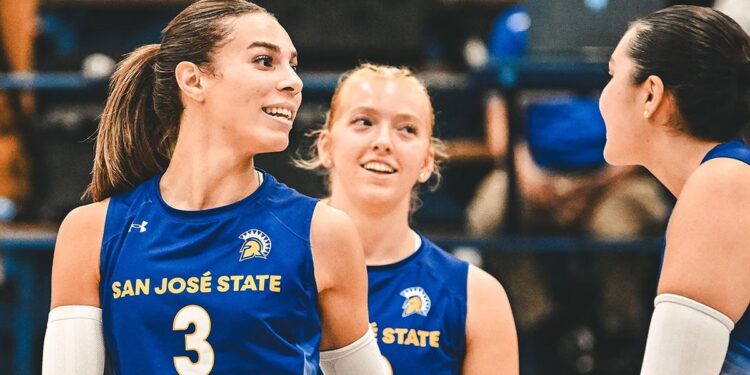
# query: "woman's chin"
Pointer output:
{"type": "Point", "coordinates": [612, 157]}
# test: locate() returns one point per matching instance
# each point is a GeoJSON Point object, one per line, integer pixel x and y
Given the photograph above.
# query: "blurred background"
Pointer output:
{"type": "Point", "coordinates": [526, 194]}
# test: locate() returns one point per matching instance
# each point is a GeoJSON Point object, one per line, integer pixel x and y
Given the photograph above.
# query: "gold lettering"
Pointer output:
{"type": "Point", "coordinates": [274, 284]}
{"type": "Point", "coordinates": [249, 284]}
{"type": "Point", "coordinates": [223, 284]}
{"type": "Point", "coordinates": [236, 279]}
{"type": "Point", "coordinates": [142, 286]}
{"type": "Point", "coordinates": [435, 339]}
{"type": "Point", "coordinates": [163, 288]}
{"type": "Point", "coordinates": [400, 332]}
{"type": "Point", "coordinates": [192, 285]}
{"type": "Point", "coordinates": [176, 285]}
{"type": "Point", "coordinates": [423, 335]}
{"type": "Point", "coordinates": [388, 336]}
{"type": "Point", "coordinates": [127, 289]}
{"type": "Point", "coordinates": [262, 279]}
{"type": "Point", "coordinates": [116, 289]}
{"type": "Point", "coordinates": [411, 338]}
{"type": "Point", "coordinates": [206, 283]}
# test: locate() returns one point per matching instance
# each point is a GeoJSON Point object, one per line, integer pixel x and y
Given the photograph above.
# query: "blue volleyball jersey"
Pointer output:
{"type": "Point", "coordinates": [227, 290]}
{"type": "Point", "coordinates": [738, 355]}
{"type": "Point", "coordinates": [418, 311]}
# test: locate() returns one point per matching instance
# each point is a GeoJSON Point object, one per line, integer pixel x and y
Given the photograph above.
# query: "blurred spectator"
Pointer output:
{"type": "Point", "coordinates": [16, 34]}
{"type": "Point", "coordinates": [565, 188]}
{"type": "Point", "coordinates": [17, 28]}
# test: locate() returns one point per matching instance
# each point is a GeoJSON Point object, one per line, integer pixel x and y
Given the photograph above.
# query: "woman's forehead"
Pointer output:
{"type": "Point", "coordinates": [258, 28]}
{"type": "Point", "coordinates": [378, 88]}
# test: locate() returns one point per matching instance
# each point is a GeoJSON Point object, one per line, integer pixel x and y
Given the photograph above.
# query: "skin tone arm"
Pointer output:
{"type": "Point", "coordinates": [341, 277]}
{"type": "Point", "coordinates": [707, 255]}
{"type": "Point", "coordinates": [491, 341]}
{"type": "Point", "coordinates": [75, 268]}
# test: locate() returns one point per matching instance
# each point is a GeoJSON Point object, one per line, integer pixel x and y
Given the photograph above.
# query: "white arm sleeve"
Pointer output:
{"type": "Point", "coordinates": [685, 338]}
{"type": "Point", "coordinates": [74, 343]}
{"type": "Point", "coordinates": [361, 357]}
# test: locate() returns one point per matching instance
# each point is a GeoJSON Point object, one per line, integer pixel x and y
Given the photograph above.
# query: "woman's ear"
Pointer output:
{"type": "Point", "coordinates": [324, 149]}
{"type": "Point", "coordinates": [654, 96]}
{"type": "Point", "coordinates": [429, 166]}
{"type": "Point", "coordinates": [188, 76]}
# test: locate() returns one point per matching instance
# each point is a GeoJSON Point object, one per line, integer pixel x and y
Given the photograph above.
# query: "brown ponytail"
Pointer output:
{"type": "Point", "coordinates": [132, 145]}
{"type": "Point", "coordinates": [141, 118]}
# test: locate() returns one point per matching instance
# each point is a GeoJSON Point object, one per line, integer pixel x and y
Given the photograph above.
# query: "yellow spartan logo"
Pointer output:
{"type": "Point", "coordinates": [413, 305]}
{"type": "Point", "coordinates": [256, 245]}
{"type": "Point", "coordinates": [417, 301]}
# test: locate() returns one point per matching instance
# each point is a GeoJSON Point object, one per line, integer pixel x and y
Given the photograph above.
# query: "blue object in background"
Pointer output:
{"type": "Point", "coordinates": [7, 209]}
{"type": "Point", "coordinates": [566, 134]}
{"type": "Point", "coordinates": [597, 6]}
{"type": "Point", "coordinates": [510, 33]}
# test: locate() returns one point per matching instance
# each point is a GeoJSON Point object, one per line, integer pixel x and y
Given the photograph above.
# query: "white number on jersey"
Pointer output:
{"type": "Point", "coordinates": [196, 341]}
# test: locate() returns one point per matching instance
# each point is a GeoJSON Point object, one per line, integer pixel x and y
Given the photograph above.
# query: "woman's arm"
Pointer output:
{"type": "Point", "coordinates": [491, 342]}
{"type": "Point", "coordinates": [75, 316]}
{"type": "Point", "coordinates": [705, 284]}
{"type": "Point", "coordinates": [347, 344]}
{"type": "Point", "coordinates": [708, 239]}
{"type": "Point", "coordinates": [75, 268]}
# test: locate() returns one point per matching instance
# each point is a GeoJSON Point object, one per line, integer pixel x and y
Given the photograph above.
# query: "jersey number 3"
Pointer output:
{"type": "Point", "coordinates": [196, 341]}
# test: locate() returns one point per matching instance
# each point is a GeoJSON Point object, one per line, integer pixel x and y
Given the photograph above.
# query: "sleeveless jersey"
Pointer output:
{"type": "Point", "coordinates": [418, 311]}
{"type": "Point", "coordinates": [738, 355]}
{"type": "Point", "coordinates": [227, 290]}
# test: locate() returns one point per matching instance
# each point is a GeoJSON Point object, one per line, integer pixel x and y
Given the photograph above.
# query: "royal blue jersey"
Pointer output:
{"type": "Point", "coordinates": [738, 355]}
{"type": "Point", "coordinates": [418, 311]}
{"type": "Point", "coordinates": [227, 290]}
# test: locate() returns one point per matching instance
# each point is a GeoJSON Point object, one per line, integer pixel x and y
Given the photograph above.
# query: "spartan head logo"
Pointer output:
{"type": "Point", "coordinates": [417, 301]}
{"type": "Point", "coordinates": [256, 245]}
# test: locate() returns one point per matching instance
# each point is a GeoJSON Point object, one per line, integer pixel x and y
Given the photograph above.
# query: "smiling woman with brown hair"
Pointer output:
{"type": "Point", "coordinates": [191, 260]}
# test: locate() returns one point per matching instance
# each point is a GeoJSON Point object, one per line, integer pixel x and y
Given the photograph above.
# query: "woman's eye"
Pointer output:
{"type": "Point", "coordinates": [294, 66]}
{"type": "Point", "coordinates": [411, 129]}
{"type": "Point", "coordinates": [264, 60]}
{"type": "Point", "coordinates": [362, 121]}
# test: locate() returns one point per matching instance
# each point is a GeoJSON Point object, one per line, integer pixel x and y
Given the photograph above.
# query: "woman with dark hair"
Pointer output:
{"type": "Point", "coordinates": [431, 313]}
{"type": "Point", "coordinates": [677, 104]}
{"type": "Point", "coordinates": [191, 260]}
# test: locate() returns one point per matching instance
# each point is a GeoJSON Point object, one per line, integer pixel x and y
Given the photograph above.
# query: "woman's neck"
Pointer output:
{"type": "Point", "coordinates": [206, 172]}
{"type": "Point", "coordinates": [674, 158]}
{"type": "Point", "coordinates": [385, 233]}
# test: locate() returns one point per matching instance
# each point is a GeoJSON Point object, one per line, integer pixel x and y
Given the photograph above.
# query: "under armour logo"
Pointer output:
{"type": "Point", "coordinates": [141, 227]}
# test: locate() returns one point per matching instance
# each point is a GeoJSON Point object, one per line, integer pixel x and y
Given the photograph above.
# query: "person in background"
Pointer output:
{"type": "Point", "coordinates": [565, 188]}
{"type": "Point", "coordinates": [17, 32]}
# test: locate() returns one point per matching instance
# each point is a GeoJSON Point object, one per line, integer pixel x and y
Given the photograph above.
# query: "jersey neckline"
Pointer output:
{"type": "Point", "coordinates": [402, 262]}
{"type": "Point", "coordinates": [214, 212]}
{"type": "Point", "coordinates": [718, 150]}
